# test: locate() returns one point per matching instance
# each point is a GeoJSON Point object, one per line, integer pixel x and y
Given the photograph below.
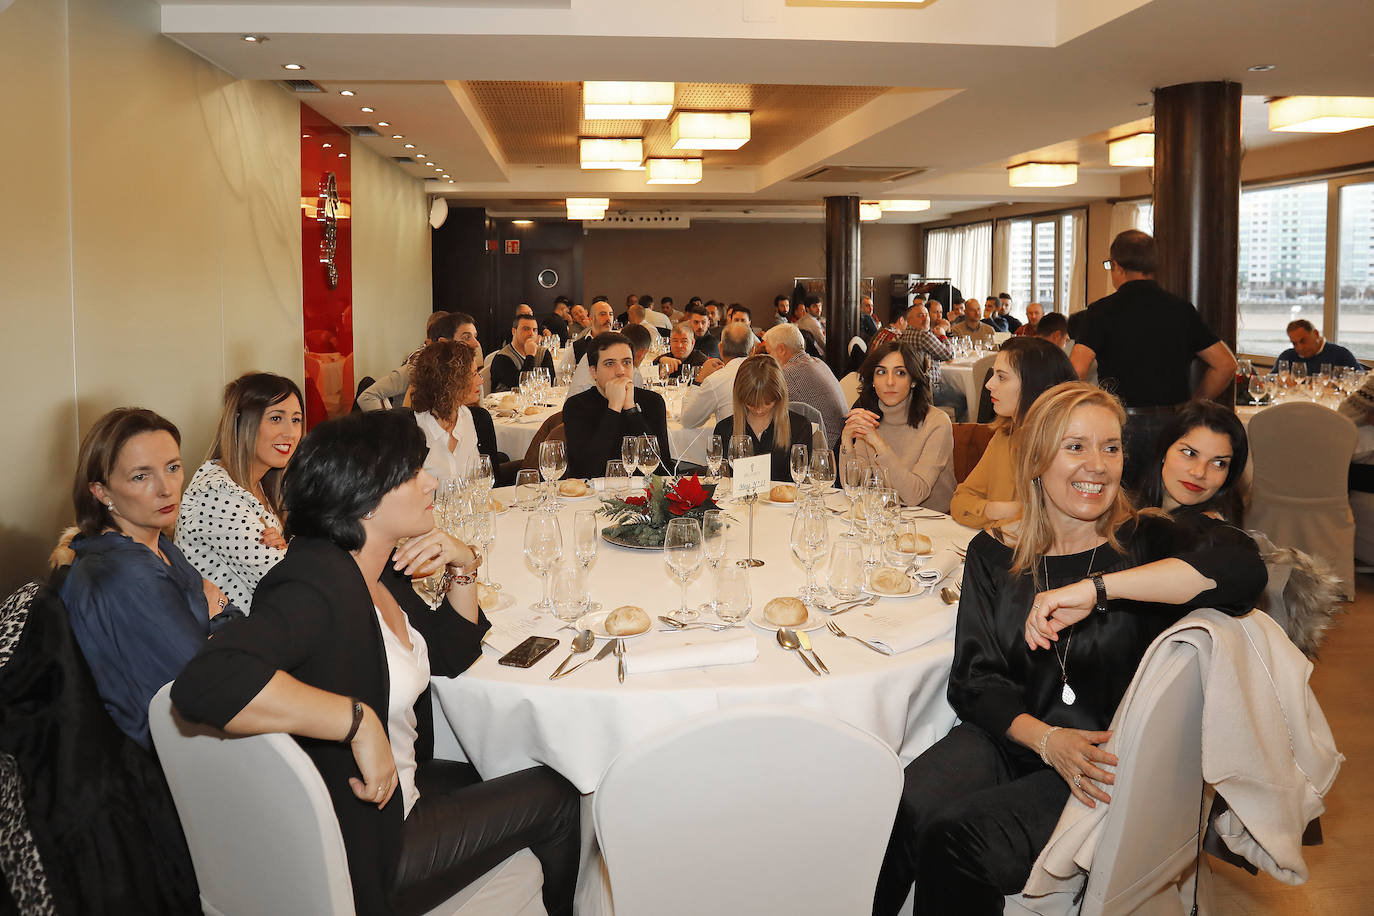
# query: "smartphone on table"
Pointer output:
{"type": "Point", "coordinates": [528, 652]}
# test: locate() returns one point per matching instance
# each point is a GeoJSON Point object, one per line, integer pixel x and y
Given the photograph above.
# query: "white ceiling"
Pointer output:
{"type": "Point", "coordinates": [1017, 78]}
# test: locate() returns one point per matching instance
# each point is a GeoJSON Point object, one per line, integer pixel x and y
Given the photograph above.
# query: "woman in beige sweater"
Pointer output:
{"type": "Point", "coordinates": [1025, 368]}
{"type": "Point", "coordinates": [894, 427]}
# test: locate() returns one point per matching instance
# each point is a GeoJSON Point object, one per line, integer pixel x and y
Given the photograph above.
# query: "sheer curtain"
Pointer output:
{"type": "Point", "coordinates": [1132, 214]}
{"type": "Point", "coordinates": [1078, 271]}
{"type": "Point", "coordinates": [963, 253]}
{"type": "Point", "coordinates": [1001, 258]}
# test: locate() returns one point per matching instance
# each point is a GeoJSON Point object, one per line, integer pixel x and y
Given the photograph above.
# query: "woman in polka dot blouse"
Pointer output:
{"type": "Point", "coordinates": [230, 525]}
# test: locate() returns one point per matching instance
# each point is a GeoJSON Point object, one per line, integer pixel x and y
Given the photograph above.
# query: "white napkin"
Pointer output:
{"type": "Point", "coordinates": [511, 628]}
{"type": "Point", "coordinates": [899, 629]}
{"type": "Point", "coordinates": [741, 650]}
{"type": "Point", "coordinates": [938, 568]}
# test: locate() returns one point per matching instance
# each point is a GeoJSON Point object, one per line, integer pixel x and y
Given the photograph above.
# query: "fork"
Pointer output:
{"type": "Point", "coordinates": [845, 606]}
{"type": "Point", "coordinates": [835, 628]}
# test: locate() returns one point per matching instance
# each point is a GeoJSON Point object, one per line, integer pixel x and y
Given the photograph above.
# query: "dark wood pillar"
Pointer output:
{"type": "Point", "coordinates": [841, 279]}
{"type": "Point", "coordinates": [1197, 198]}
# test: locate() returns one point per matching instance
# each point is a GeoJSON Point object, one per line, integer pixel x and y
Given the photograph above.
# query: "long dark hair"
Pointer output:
{"type": "Point", "coordinates": [920, 382]}
{"type": "Point", "coordinates": [1229, 500]}
{"type": "Point", "coordinates": [1040, 365]}
{"type": "Point", "coordinates": [246, 399]}
{"type": "Point", "coordinates": [99, 454]}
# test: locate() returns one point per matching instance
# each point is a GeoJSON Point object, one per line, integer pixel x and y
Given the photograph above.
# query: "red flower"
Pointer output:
{"type": "Point", "coordinates": [637, 500]}
{"type": "Point", "coordinates": [686, 496]}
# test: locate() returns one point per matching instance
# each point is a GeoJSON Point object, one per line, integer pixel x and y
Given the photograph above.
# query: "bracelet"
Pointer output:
{"type": "Point", "coordinates": [1101, 587]}
{"type": "Point", "coordinates": [357, 720]}
{"type": "Point", "coordinates": [1044, 741]}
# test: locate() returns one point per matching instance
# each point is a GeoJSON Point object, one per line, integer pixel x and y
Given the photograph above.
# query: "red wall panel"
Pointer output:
{"type": "Point", "coordinates": [326, 242]}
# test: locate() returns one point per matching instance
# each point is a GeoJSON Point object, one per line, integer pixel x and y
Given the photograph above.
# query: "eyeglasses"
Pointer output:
{"type": "Point", "coordinates": [1107, 264]}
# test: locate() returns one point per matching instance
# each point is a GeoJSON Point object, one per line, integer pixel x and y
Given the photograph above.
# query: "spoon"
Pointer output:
{"type": "Point", "coordinates": [950, 594]}
{"type": "Point", "coordinates": [679, 625]}
{"type": "Point", "coordinates": [580, 643]}
{"type": "Point", "coordinates": [787, 638]}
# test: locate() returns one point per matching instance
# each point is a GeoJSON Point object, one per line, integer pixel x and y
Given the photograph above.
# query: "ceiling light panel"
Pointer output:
{"type": "Point", "coordinates": [584, 213]}
{"type": "Point", "coordinates": [1042, 174]}
{"type": "Point", "coordinates": [870, 210]}
{"type": "Point", "coordinates": [709, 129]}
{"type": "Point", "coordinates": [626, 101]}
{"type": "Point", "coordinates": [1137, 150]}
{"type": "Point", "coordinates": [674, 171]}
{"type": "Point", "coordinates": [905, 206]}
{"type": "Point", "coordinates": [602, 153]}
{"type": "Point", "coordinates": [1316, 114]}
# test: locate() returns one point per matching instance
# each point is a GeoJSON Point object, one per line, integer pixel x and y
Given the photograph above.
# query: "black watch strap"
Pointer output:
{"type": "Point", "coordinates": [1101, 592]}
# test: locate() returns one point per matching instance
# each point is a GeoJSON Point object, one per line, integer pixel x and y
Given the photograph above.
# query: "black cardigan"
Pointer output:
{"type": "Point", "coordinates": [313, 618]}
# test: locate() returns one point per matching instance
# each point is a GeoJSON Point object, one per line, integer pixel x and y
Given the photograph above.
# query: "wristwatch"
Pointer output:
{"type": "Point", "coordinates": [633, 408]}
{"type": "Point", "coordinates": [1101, 591]}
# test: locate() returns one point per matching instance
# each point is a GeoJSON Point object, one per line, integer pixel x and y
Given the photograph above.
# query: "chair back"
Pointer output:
{"type": "Point", "coordinates": [486, 371]}
{"type": "Point", "coordinates": [1301, 456]}
{"type": "Point", "coordinates": [1001, 337]}
{"type": "Point", "coordinates": [554, 420]}
{"type": "Point", "coordinates": [970, 441]}
{"type": "Point", "coordinates": [850, 386]}
{"type": "Point", "coordinates": [257, 818]}
{"type": "Point", "coordinates": [981, 371]}
{"type": "Point", "coordinates": [741, 819]}
{"type": "Point", "coordinates": [814, 415]}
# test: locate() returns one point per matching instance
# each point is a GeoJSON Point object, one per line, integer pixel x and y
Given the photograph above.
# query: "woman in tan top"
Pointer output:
{"type": "Point", "coordinates": [894, 426]}
{"type": "Point", "coordinates": [1025, 368]}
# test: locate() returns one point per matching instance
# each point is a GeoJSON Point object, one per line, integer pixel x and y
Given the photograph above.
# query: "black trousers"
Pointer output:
{"type": "Point", "coordinates": [463, 826]}
{"type": "Point", "coordinates": [974, 815]}
{"type": "Point", "coordinates": [1141, 440]}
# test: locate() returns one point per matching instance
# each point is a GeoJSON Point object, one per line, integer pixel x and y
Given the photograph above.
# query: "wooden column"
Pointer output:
{"type": "Point", "coordinates": [841, 279]}
{"type": "Point", "coordinates": [1197, 198]}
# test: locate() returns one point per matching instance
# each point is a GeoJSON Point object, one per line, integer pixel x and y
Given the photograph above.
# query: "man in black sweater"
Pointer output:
{"type": "Point", "coordinates": [520, 355]}
{"type": "Point", "coordinates": [596, 420]}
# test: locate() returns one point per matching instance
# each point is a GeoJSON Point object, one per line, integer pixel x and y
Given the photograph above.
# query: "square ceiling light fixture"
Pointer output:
{"type": "Point", "coordinates": [1042, 174]}
{"type": "Point", "coordinates": [1317, 114]}
{"type": "Point", "coordinates": [1136, 150]}
{"type": "Point", "coordinates": [674, 171]}
{"type": "Point", "coordinates": [709, 129]}
{"type": "Point", "coordinates": [870, 210]}
{"type": "Point", "coordinates": [597, 153]}
{"type": "Point", "coordinates": [587, 207]}
{"type": "Point", "coordinates": [905, 206]}
{"type": "Point", "coordinates": [622, 101]}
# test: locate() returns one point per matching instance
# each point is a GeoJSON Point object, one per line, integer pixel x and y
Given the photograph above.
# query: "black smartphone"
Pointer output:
{"type": "Point", "coordinates": [528, 652]}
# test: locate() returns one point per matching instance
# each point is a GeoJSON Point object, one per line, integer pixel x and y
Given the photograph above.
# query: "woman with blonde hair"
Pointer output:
{"type": "Point", "coordinates": [1057, 611]}
{"type": "Point", "coordinates": [442, 378]}
{"type": "Point", "coordinates": [230, 526]}
{"type": "Point", "coordinates": [761, 413]}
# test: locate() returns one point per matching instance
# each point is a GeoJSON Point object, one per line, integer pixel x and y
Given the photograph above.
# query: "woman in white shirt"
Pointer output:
{"type": "Point", "coordinates": [230, 525]}
{"type": "Point", "coordinates": [441, 376]}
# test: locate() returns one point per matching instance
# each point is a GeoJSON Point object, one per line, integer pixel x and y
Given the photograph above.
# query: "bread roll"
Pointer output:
{"type": "Point", "coordinates": [572, 487]}
{"type": "Point", "coordinates": [785, 612]}
{"type": "Point", "coordinates": [495, 505]}
{"type": "Point", "coordinates": [914, 543]}
{"type": "Point", "coordinates": [891, 580]}
{"type": "Point", "coordinates": [783, 493]}
{"type": "Point", "coordinates": [858, 514]}
{"type": "Point", "coordinates": [508, 402]}
{"type": "Point", "coordinates": [532, 410]}
{"type": "Point", "coordinates": [627, 620]}
{"type": "Point", "coordinates": [487, 597]}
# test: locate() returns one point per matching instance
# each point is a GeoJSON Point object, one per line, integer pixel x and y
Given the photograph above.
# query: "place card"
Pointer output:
{"type": "Point", "coordinates": [750, 476]}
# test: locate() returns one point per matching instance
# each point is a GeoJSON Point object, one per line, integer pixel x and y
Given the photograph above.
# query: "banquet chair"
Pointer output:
{"type": "Point", "coordinates": [1301, 454]}
{"type": "Point", "coordinates": [486, 371]}
{"type": "Point", "coordinates": [263, 835]}
{"type": "Point", "coordinates": [814, 415]}
{"type": "Point", "coordinates": [757, 809]}
{"type": "Point", "coordinates": [545, 431]}
{"type": "Point", "coordinates": [970, 441]}
{"type": "Point", "coordinates": [850, 386]}
{"type": "Point", "coordinates": [856, 351]}
{"type": "Point", "coordinates": [981, 408]}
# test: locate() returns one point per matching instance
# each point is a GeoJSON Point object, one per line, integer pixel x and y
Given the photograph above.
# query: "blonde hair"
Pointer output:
{"type": "Point", "coordinates": [758, 381]}
{"type": "Point", "coordinates": [1035, 447]}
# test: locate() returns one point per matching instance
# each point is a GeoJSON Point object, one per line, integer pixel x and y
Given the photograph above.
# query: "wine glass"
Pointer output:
{"type": "Point", "coordinates": [484, 532]}
{"type": "Point", "coordinates": [800, 463]}
{"type": "Point", "coordinates": [646, 455]}
{"type": "Point", "coordinates": [1281, 371]}
{"type": "Point", "coordinates": [616, 478]}
{"type": "Point", "coordinates": [1257, 389]}
{"type": "Point", "coordinates": [822, 469]}
{"type": "Point", "coordinates": [853, 470]}
{"type": "Point", "coordinates": [740, 447]}
{"type": "Point", "coordinates": [483, 478]}
{"type": "Point", "coordinates": [715, 456]}
{"type": "Point", "coordinates": [526, 488]}
{"type": "Point", "coordinates": [629, 455]}
{"type": "Point", "coordinates": [1298, 371]}
{"type": "Point", "coordinates": [586, 536]}
{"type": "Point", "coordinates": [682, 555]}
{"type": "Point", "coordinates": [553, 461]}
{"type": "Point", "coordinates": [810, 539]}
{"type": "Point", "coordinates": [712, 544]}
{"type": "Point", "coordinates": [543, 548]}
{"type": "Point", "coordinates": [732, 599]}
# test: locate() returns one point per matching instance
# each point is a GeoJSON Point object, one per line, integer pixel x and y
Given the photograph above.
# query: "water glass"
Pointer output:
{"type": "Point", "coordinates": [646, 455]}
{"type": "Point", "coordinates": [800, 463]}
{"type": "Point", "coordinates": [617, 481]}
{"type": "Point", "coordinates": [822, 469]}
{"type": "Point", "coordinates": [553, 461]}
{"type": "Point", "coordinates": [629, 454]}
{"type": "Point", "coordinates": [569, 591]}
{"type": "Point", "coordinates": [846, 567]}
{"type": "Point", "coordinates": [715, 456]}
{"type": "Point", "coordinates": [713, 529]}
{"type": "Point", "coordinates": [586, 537]}
{"type": "Point", "coordinates": [526, 488]}
{"type": "Point", "coordinates": [732, 599]}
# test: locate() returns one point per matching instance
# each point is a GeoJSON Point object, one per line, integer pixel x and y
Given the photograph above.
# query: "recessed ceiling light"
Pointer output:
{"type": "Point", "coordinates": [383, 123]}
{"type": "Point", "coordinates": [292, 67]}
{"type": "Point", "coordinates": [328, 145]}
{"type": "Point", "coordinates": [443, 176]}
{"type": "Point", "coordinates": [256, 39]}
{"type": "Point", "coordinates": [450, 182]}
{"type": "Point", "coordinates": [522, 222]}
{"type": "Point", "coordinates": [346, 92]}
{"type": "Point", "coordinates": [366, 109]}
{"type": "Point", "coordinates": [1262, 68]}
{"type": "Point", "coordinates": [419, 155]}
{"type": "Point", "coordinates": [305, 136]}
{"type": "Point", "coordinates": [410, 146]}
{"type": "Point", "coordinates": [398, 136]}
{"type": "Point", "coordinates": [343, 155]}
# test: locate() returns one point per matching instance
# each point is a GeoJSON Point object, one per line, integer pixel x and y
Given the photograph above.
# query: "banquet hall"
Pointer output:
{"type": "Point", "coordinates": [196, 189]}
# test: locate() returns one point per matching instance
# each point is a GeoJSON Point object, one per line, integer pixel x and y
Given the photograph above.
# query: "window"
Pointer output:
{"type": "Point", "coordinates": [1355, 273]}
{"type": "Point", "coordinates": [963, 253]}
{"type": "Point", "coordinates": [1043, 260]}
{"type": "Point", "coordinates": [1282, 265]}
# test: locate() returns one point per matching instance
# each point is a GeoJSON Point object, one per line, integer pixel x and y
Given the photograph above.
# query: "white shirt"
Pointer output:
{"type": "Point", "coordinates": [658, 319]}
{"type": "Point", "coordinates": [409, 674]}
{"type": "Point", "coordinates": [714, 397]}
{"type": "Point", "coordinates": [440, 462]}
{"type": "Point", "coordinates": [218, 529]}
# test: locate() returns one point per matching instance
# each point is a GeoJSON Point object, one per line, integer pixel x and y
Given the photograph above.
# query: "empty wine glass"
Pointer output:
{"type": "Point", "coordinates": [483, 478]}
{"type": "Point", "coordinates": [715, 456]}
{"type": "Point", "coordinates": [484, 532]}
{"type": "Point", "coordinates": [732, 596]}
{"type": "Point", "coordinates": [526, 488]}
{"type": "Point", "coordinates": [740, 447]}
{"type": "Point", "coordinates": [800, 459]}
{"type": "Point", "coordinates": [646, 455]}
{"type": "Point", "coordinates": [822, 469]}
{"type": "Point", "coordinates": [682, 555]}
{"type": "Point", "coordinates": [586, 536]}
{"type": "Point", "coordinates": [1257, 388]}
{"type": "Point", "coordinates": [629, 455]}
{"type": "Point", "coordinates": [853, 470]}
{"type": "Point", "coordinates": [713, 529]}
{"type": "Point", "coordinates": [543, 548]}
{"type": "Point", "coordinates": [616, 478]}
{"type": "Point", "coordinates": [553, 461]}
{"type": "Point", "coordinates": [810, 538]}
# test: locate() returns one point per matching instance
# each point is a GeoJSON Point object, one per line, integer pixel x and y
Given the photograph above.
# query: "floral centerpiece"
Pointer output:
{"type": "Point", "coordinates": [643, 519]}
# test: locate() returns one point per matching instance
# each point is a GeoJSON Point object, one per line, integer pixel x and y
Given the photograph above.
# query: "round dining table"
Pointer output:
{"type": "Point", "coordinates": [505, 719]}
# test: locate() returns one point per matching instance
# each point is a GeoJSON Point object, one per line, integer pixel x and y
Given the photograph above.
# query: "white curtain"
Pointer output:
{"type": "Point", "coordinates": [1132, 214]}
{"type": "Point", "coordinates": [1001, 258]}
{"type": "Point", "coordinates": [963, 253]}
{"type": "Point", "coordinates": [1078, 270]}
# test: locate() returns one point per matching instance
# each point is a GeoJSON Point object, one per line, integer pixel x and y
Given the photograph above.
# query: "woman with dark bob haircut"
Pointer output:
{"type": "Point", "coordinates": [1025, 368]}
{"type": "Point", "coordinates": [1199, 463]}
{"type": "Point", "coordinates": [339, 652]}
{"type": "Point", "coordinates": [893, 427]}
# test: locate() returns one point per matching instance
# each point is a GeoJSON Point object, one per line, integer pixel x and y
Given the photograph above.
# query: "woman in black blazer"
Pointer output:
{"type": "Point", "coordinates": [339, 653]}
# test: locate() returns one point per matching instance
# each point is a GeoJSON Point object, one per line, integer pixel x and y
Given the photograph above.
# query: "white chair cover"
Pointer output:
{"type": "Point", "coordinates": [486, 371]}
{"type": "Point", "coordinates": [817, 421]}
{"type": "Point", "coordinates": [1301, 454]}
{"type": "Point", "coordinates": [850, 386]}
{"type": "Point", "coordinates": [758, 809]}
{"type": "Point", "coordinates": [1001, 337]}
{"type": "Point", "coordinates": [262, 832]}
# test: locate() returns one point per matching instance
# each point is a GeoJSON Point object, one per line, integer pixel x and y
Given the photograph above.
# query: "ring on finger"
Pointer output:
{"type": "Point", "coordinates": [1078, 781]}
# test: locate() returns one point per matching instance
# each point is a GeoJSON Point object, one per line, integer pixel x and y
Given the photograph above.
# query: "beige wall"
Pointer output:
{"type": "Point", "coordinates": [732, 262]}
{"type": "Point", "coordinates": [150, 244]}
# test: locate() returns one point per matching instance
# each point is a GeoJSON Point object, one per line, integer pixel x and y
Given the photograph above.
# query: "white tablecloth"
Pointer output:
{"type": "Point", "coordinates": [959, 373]}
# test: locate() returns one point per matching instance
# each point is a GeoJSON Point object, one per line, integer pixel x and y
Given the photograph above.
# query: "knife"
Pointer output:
{"type": "Point", "coordinates": [806, 644]}
{"type": "Point", "coordinates": [605, 651]}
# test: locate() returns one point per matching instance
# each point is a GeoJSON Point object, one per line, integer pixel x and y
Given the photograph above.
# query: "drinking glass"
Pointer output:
{"type": "Point", "coordinates": [846, 567]}
{"type": "Point", "coordinates": [740, 447]}
{"type": "Point", "coordinates": [553, 461]}
{"type": "Point", "coordinates": [713, 529]}
{"type": "Point", "coordinates": [801, 464]}
{"type": "Point", "coordinates": [526, 488]}
{"type": "Point", "coordinates": [810, 538]}
{"type": "Point", "coordinates": [822, 469]}
{"type": "Point", "coordinates": [569, 591]}
{"type": "Point", "coordinates": [1257, 389]}
{"type": "Point", "coordinates": [682, 555]}
{"type": "Point", "coordinates": [629, 452]}
{"type": "Point", "coordinates": [543, 548]}
{"type": "Point", "coordinates": [715, 456]}
{"type": "Point", "coordinates": [853, 470]}
{"type": "Point", "coordinates": [616, 479]}
{"type": "Point", "coordinates": [1299, 372]}
{"type": "Point", "coordinates": [483, 478]}
{"type": "Point", "coordinates": [732, 599]}
{"type": "Point", "coordinates": [484, 532]}
{"type": "Point", "coordinates": [586, 537]}
{"type": "Point", "coordinates": [646, 455]}
{"type": "Point", "coordinates": [1281, 368]}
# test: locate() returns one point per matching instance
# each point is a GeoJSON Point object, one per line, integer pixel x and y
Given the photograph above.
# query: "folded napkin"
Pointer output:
{"type": "Point", "coordinates": [511, 628]}
{"type": "Point", "coordinates": [900, 629]}
{"type": "Point", "coordinates": [938, 568]}
{"type": "Point", "coordinates": [741, 650]}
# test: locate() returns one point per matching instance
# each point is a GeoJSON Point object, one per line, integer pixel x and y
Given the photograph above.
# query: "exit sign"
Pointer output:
{"type": "Point", "coordinates": [512, 246]}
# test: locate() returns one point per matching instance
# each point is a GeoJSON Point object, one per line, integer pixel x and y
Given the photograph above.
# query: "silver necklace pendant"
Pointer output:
{"type": "Point", "coordinates": [1067, 694]}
